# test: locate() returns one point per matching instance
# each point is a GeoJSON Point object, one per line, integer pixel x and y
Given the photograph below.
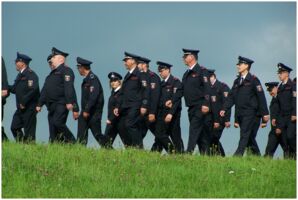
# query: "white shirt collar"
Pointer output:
{"type": "Point", "coordinates": [192, 66]}
{"type": "Point", "coordinates": [244, 76]}
{"type": "Point", "coordinates": [23, 69]}
{"type": "Point", "coordinates": [118, 88]}
{"type": "Point", "coordinates": [167, 78]}
{"type": "Point", "coordinates": [130, 71]}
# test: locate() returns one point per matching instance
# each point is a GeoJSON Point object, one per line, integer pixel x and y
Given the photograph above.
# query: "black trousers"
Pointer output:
{"type": "Point", "coordinates": [93, 122]}
{"type": "Point", "coordinates": [4, 136]}
{"type": "Point", "coordinates": [57, 118]}
{"type": "Point", "coordinates": [249, 125]}
{"type": "Point", "coordinates": [145, 125]}
{"type": "Point", "coordinates": [164, 131]}
{"type": "Point", "coordinates": [216, 146]}
{"type": "Point", "coordinates": [24, 119]}
{"type": "Point", "coordinates": [252, 143]}
{"type": "Point", "coordinates": [198, 130]}
{"type": "Point", "coordinates": [129, 127]}
{"type": "Point", "coordinates": [288, 129]}
{"type": "Point", "coordinates": [111, 132]}
{"type": "Point", "coordinates": [273, 142]}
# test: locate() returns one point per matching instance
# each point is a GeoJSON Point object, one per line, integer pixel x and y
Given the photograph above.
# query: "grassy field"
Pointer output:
{"type": "Point", "coordinates": [59, 171]}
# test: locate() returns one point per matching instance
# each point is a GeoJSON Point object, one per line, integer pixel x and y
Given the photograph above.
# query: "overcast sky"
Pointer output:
{"type": "Point", "coordinates": [102, 31]}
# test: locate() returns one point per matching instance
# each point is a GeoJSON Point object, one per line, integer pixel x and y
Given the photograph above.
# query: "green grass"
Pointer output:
{"type": "Point", "coordinates": [59, 171]}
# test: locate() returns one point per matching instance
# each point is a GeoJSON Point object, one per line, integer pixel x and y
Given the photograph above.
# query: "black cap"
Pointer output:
{"type": "Point", "coordinates": [244, 60]}
{"type": "Point", "coordinates": [211, 71]}
{"type": "Point", "coordinates": [190, 51]}
{"type": "Point", "coordinates": [163, 65]}
{"type": "Point", "coordinates": [56, 51]}
{"type": "Point", "coordinates": [23, 58]}
{"type": "Point", "coordinates": [83, 62]}
{"type": "Point", "coordinates": [283, 68]}
{"type": "Point", "coordinates": [130, 56]}
{"type": "Point", "coordinates": [114, 76]}
{"type": "Point", "coordinates": [49, 57]}
{"type": "Point", "coordinates": [270, 85]}
{"type": "Point", "coordinates": [143, 60]}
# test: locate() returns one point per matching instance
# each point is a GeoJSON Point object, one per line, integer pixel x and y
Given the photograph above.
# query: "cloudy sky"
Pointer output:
{"type": "Point", "coordinates": [102, 31]}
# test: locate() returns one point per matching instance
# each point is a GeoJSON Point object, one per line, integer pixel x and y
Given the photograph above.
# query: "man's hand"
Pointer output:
{"type": "Point", "coordinates": [205, 109]}
{"type": "Point", "coordinates": [168, 118]}
{"type": "Point", "coordinates": [143, 111]}
{"type": "Point", "coordinates": [169, 104]}
{"type": "Point", "coordinates": [108, 122]}
{"type": "Point", "coordinates": [151, 118]}
{"type": "Point", "coordinates": [293, 118]}
{"type": "Point", "coordinates": [222, 113]}
{"type": "Point", "coordinates": [227, 124]}
{"type": "Point", "coordinates": [86, 115]}
{"type": "Point", "coordinates": [236, 125]}
{"type": "Point", "coordinates": [4, 93]}
{"type": "Point", "coordinates": [22, 106]}
{"type": "Point", "coordinates": [69, 106]}
{"type": "Point", "coordinates": [273, 122]}
{"type": "Point", "coordinates": [116, 112]}
{"type": "Point", "coordinates": [266, 118]}
{"type": "Point", "coordinates": [263, 125]}
{"type": "Point", "coordinates": [75, 115]}
{"type": "Point", "coordinates": [278, 131]}
{"type": "Point", "coordinates": [38, 108]}
{"type": "Point", "coordinates": [216, 125]}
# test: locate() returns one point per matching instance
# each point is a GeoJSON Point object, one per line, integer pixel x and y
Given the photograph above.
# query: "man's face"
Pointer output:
{"type": "Point", "coordinates": [283, 75]}
{"type": "Point", "coordinates": [242, 67]}
{"type": "Point", "coordinates": [187, 59]}
{"type": "Point", "coordinates": [129, 63]}
{"type": "Point", "coordinates": [20, 65]}
{"type": "Point", "coordinates": [81, 70]}
{"type": "Point", "coordinates": [164, 73]}
{"type": "Point", "coordinates": [212, 78]}
{"type": "Point", "coordinates": [115, 84]}
{"type": "Point", "coordinates": [273, 91]}
{"type": "Point", "coordinates": [141, 66]}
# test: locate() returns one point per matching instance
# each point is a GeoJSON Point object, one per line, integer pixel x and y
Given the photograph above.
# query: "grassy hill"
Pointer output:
{"type": "Point", "coordinates": [59, 171]}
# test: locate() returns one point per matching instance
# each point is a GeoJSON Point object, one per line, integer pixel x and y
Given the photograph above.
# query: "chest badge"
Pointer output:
{"type": "Point", "coordinates": [67, 78]}
{"type": "Point", "coordinates": [153, 85]}
{"type": "Point", "coordinates": [91, 88]}
{"type": "Point", "coordinates": [30, 83]}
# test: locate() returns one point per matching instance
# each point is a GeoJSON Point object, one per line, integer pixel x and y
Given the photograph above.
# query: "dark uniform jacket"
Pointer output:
{"type": "Point", "coordinates": [92, 94]}
{"type": "Point", "coordinates": [248, 97]}
{"type": "Point", "coordinates": [273, 108]}
{"type": "Point", "coordinates": [171, 90]}
{"type": "Point", "coordinates": [154, 84]}
{"type": "Point", "coordinates": [196, 86]}
{"type": "Point", "coordinates": [286, 101]}
{"type": "Point", "coordinates": [114, 99]}
{"type": "Point", "coordinates": [59, 88]}
{"type": "Point", "coordinates": [4, 81]}
{"type": "Point", "coordinates": [135, 90]}
{"type": "Point", "coordinates": [26, 89]}
{"type": "Point", "coordinates": [219, 94]}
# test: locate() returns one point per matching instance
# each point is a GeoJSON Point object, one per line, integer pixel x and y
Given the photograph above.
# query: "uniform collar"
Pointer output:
{"type": "Point", "coordinates": [117, 89]}
{"type": "Point", "coordinates": [191, 68]}
{"type": "Point", "coordinates": [166, 80]}
{"type": "Point", "coordinates": [132, 70]}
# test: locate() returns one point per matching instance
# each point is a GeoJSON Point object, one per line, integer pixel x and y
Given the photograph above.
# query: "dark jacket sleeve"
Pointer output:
{"type": "Point", "coordinates": [33, 90]}
{"type": "Point", "coordinates": [177, 95]}
{"type": "Point", "coordinates": [262, 103]}
{"type": "Point", "coordinates": [69, 90]}
{"type": "Point", "coordinates": [4, 76]}
{"type": "Point", "coordinates": [294, 99]}
{"type": "Point", "coordinates": [207, 87]}
{"type": "Point", "coordinates": [42, 99]}
{"type": "Point", "coordinates": [95, 94]}
{"type": "Point", "coordinates": [145, 90]}
{"type": "Point", "coordinates": [154, 94]}
{"type": "Point", "coordinates": [225, 93]}
{"type": "Point", "coordinates": [274, 108]}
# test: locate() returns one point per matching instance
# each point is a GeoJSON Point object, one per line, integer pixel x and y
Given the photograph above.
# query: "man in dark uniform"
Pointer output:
{"type": "Point", "coordinates": [26, 89]}
{"type": "Point", "coordinates": [219, 94]}
{"type": "Point", "coordinates": [59, 95]}
{"type": "Point", "coordinates": [286, 109]}
{"type": "Point", "coordinates": [92, 101]}
{"type": "Point", "coordinates": [113, 125]}
{"type": "Point", "coordinates": [5, 94]}
{"type": "Point", "coordinates": [135, 91]}
{"type": "Point", "coordinates": [250, 103]}
{"type": "Point", "coordinates": [196, 91]}
{"type": "Point", "coordinates": [148, 121]}
{"type": "Point", "coordinates": [274, 139]}
{"type": "Point", "coordinates": [169, 110]}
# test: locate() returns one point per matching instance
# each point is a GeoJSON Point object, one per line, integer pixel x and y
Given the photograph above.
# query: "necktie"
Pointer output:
{"type": "Point", "coordinates": [241, 80]}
